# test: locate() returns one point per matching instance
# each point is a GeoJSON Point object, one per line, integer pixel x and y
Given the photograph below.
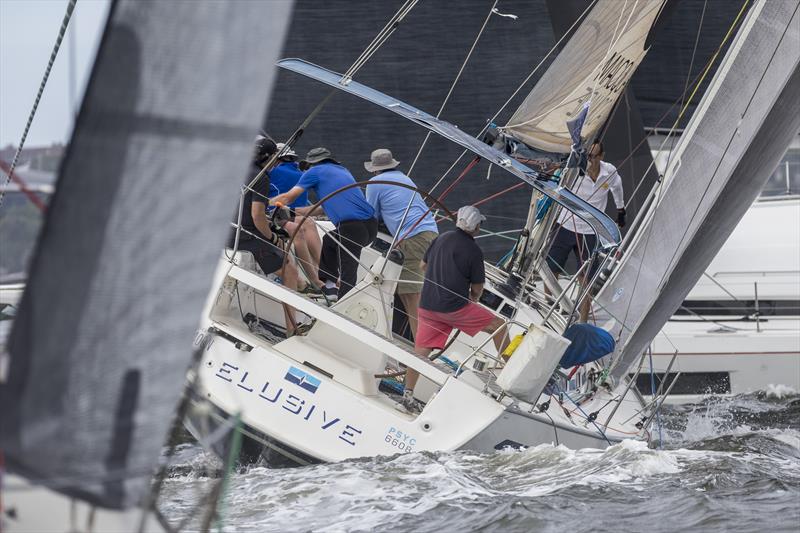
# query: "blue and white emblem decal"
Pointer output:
{"type": "Point", "coordinates": [302, 379]}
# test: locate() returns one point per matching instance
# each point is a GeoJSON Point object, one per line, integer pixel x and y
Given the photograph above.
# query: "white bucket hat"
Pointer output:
{"type": "Point", "coordinates": [468, 218]}
{"type": "Point", "coordinates": [381, 159]}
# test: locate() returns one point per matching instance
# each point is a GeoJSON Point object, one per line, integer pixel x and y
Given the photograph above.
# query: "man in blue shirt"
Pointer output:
{"type": "Point", "coordinates": [285, 175]}
{"type": "Point", "coordinates": [349, 211]}
{"type": "Point", "coordinates": [414, 231]}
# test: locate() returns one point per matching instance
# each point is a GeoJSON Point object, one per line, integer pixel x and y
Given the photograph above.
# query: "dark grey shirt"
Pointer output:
{"type": "Point", "coordinates": [455, 261]}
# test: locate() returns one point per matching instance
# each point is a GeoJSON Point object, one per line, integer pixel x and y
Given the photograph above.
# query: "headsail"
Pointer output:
{"type": "Point", "coordinates": [103, 337]}
{"type": "Point", "coordinates": [741, 129]}
{"type": "Point", "coordinates": [594, 66]}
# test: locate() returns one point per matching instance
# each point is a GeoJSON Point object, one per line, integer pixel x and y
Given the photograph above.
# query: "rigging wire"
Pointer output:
{"type": "Point", "coordinates": [61, 31]}
{"type": "Point", "coordinates": [492, 10]}
{"type": "Point", "coordinates": [522, 84]}
{"type": "Point", "coordinates": [379, 40]}
{"type": "Point", "coordinates": [568, 98]}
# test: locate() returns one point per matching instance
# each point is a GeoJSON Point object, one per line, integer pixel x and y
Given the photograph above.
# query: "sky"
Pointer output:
{"type": "Point", "coordinates": [28, 31]}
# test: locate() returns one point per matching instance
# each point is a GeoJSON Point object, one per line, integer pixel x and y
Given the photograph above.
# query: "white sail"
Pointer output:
{"type": "Point", "coordinates": [741, 129]}
{"type": "Point", "coordinates": [594, 67]}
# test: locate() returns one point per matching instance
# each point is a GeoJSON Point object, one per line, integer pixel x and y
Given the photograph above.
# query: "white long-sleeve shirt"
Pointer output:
{"type": "Point", "coordinates": [596, 193]}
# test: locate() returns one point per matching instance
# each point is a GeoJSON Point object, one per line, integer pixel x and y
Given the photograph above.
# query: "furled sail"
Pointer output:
{"type": "Point", "coordinates": [594, 66]}
{"type": "Point", "coordinates": [742, 127]}
{"type": "Point", "coordinates": [104, 333]}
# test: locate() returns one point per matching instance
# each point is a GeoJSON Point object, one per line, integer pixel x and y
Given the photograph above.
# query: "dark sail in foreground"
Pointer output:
{"type": "Point", "coordinates": [104, 333]}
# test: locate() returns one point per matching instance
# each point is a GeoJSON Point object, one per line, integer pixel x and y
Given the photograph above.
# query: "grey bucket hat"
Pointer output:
{"type": "Point", "coordinates": [315, 155]}
{"type": "Point", "coordinates": [381, 159]}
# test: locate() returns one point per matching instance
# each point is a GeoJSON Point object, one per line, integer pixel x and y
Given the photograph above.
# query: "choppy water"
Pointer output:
{"type": "Point", "coordinates": [727, 465]}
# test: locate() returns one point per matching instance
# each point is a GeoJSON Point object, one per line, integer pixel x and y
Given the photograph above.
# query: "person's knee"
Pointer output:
{"type": "Point", "coordinates": [495, 324]}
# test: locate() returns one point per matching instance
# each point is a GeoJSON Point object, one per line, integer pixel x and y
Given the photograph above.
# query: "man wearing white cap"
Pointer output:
{"type": "Point", "coordinates": [454, 278]}
{"type": "Point", "coordinates": [408, 219]}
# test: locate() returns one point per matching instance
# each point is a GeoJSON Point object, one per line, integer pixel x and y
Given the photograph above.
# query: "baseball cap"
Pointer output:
{"type": "Point", "coordinates": [469, 217]}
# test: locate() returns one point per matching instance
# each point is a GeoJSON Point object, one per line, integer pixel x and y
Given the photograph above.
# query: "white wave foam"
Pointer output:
{"type": "Point", "coordinates": [779, 391]}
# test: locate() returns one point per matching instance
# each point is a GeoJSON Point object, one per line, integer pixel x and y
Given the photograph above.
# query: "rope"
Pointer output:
{"type": "Point", "coordinates": [568, 97]}
{"type": "Point", "coordinates": [653, 391]}
{"type": "Point", "coordinates": [442, 197]}
{"type": "Point", "coordinates": [53, 54]}
{"type": "Point", "coordinates": [230, 464]}
{"type": "Point", "coordinates": [536, 68]}
{"type": "Point", "coordinates": [453, 85]}
{"type": "Point", "coordinates": [602, 433]}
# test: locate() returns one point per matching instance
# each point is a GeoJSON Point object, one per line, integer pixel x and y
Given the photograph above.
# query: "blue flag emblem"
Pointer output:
{"type": "Point", "coordinates": [302, 379]}
{"type": "Point", "coordinates": [576, 125]}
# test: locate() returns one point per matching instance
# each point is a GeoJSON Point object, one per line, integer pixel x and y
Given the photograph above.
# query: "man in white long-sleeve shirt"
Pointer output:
{"type": "Point", "coordinates": [573, 234]}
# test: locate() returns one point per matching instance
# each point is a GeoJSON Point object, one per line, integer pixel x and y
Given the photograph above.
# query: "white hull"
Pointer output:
{"type": "Point", "coordinates": [316, 398]}
{"type": "Point", "coordinates": [722, 353]}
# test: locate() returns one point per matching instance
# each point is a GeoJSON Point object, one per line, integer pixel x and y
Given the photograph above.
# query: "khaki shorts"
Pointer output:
{"type": "Point", "coordinates": [414, 249]}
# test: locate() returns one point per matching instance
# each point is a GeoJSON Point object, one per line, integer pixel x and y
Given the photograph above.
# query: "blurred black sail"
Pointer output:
{"type": "Point", "coordinates": [124, 262]}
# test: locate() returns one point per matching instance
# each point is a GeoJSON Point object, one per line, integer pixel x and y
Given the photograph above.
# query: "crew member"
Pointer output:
{"type": "Point", "coordinates": [349, 211]}
{"type": "Point", "coordinates": [307, 244]}
{"type": "Point", "coordinates": [574, 235]}
{"type": "Point", "coordinates": [414, 230]}
{"type": "Point", "coordinates": [454, 278]}
{"type": "Point", "coordinates": [256, 235]}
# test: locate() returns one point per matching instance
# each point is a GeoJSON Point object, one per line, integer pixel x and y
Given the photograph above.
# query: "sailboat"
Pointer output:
{"type": "Point", "coordinates": [321, 396]}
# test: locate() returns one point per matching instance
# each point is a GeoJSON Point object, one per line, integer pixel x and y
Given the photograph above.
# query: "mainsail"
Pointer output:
{"type": "Point", "coordinates": [742, 127]}
{"type": "Point", "coordinates": [594, 66]}
{"type": "Point", "coordinates": [103, 337]}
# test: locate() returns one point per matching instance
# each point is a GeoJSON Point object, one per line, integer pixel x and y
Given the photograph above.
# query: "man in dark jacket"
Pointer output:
{"type": "Point", "coordinates": [256, 236]}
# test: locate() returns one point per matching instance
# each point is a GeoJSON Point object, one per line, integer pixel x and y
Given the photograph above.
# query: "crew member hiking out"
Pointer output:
{"type": "Point", "coordinates": [256, 236]}
{"type": "Point", "coordinates": [454, 279]}
{"type": "Point", "coordinates": [573, 235]}
{"type": "Point", "coordinates": [349, 211]}
{"type": "Point", "coordinates": [414, 233]}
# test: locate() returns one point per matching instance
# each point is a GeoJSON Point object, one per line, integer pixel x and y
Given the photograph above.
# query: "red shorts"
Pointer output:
{"type": "Point", "coordinates": [434, 328]}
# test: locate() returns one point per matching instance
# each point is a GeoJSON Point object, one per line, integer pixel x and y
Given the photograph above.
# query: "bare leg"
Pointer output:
{"type": "Point", "coordinates": [412, 376]}
{"type": "Point", "coordinates": [314, 244]}
{"type": "Point", "coordinates": [500, 338]}
{"type": "Point", "coordinates": [289, 275]}
{"type": "Point", "coordinates": [411, 303]}
{"type": "Point", "coordinates": [585, 307]}
{"type": "Point", "coordinates": [304, 252]}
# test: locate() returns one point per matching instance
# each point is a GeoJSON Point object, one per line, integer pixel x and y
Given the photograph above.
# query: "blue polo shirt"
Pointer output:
{"type": "Point", "coordinates": [282, 178]}
{"type": "Point", "coordinates": [326, 178]}
{"type": "Point", "coordinates": [389, 203]}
